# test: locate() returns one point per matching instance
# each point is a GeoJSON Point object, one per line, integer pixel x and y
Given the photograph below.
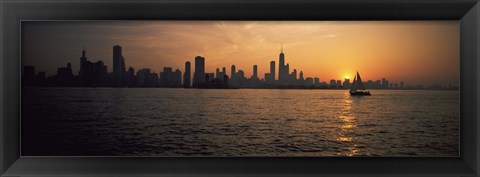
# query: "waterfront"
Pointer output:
{"type": "Point", "coordinates": [238, 122]}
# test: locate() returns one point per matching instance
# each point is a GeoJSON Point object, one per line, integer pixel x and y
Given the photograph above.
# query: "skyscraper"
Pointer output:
{"type": "Point", "coordinates": [272, 70]}
{"type": "Point", "coordinates": [255, 68]}
{"type": "Point", "coordinates": [83, 59]}
{"type": "Point", "coordinates": [268, 78]}
{"type": "Point", "coordinates": [316, 82]}
{"type": "Point", "coordinates": [170, 78]}
{"type": "Point", "coordinates": [144, 78]}
{"type": "Point", "coordinates": [209, 77]}
{"type": "Point", "coordinates": [118, 64]}
{"type": "Point", "coordinates": [293, 76]}
{"type": "Point", "coordinates": [177, 78]}
{"type": "Point", "coordinates": [384, 83]}
{"type": "Point", "coordinates": [217, 73]}
{"type": "Point", "coordinates": [199, 74]}
{"type": "Point", "coordinates": [99, 73]}
{"type": "Point", "coordinates": [131, 76]}
{"type": "Point", "coordinates": [166, 77]}
{"type": "Point", "coordinates": [283, 75]}
{"type": "Point", "coordinates": [187, 75]}
{"type": "Point", "coordinates": [123, 72]}
{"type": "Point", "coordinates": [333, 84]}
{"type": "Point", "coordinates": [346, 83]}
{"type": "Point", "coordinates": [232, 72]}
{"type": "Point", "coordinates": [308, 81]}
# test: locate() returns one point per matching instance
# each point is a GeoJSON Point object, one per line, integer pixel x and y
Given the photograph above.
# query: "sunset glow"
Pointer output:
{"type": "Point", "coordinates": [411, 51]}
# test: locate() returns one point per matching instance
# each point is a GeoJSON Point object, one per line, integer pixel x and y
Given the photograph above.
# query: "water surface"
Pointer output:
{"type": "Point", "coordinates": [238, 122]}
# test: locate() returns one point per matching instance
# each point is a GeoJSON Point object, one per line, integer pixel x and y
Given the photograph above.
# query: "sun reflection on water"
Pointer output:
{"type": "Point", "coordinates": [347, 126]}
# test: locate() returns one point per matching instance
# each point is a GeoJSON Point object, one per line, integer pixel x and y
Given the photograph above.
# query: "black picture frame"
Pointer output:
{"type": "Point", "coordinates": [14, 11]}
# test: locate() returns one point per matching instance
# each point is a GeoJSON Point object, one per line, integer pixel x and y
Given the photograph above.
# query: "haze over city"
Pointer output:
{"type": "Point", "coordinates": [411, 51]}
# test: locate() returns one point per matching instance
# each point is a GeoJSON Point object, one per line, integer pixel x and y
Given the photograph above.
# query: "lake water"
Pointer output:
{"type": "Point", "coordinates": [238, 122]}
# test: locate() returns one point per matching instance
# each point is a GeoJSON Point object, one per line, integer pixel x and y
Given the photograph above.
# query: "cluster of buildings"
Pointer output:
{"type": "Point", "coordinates": [95, 74]}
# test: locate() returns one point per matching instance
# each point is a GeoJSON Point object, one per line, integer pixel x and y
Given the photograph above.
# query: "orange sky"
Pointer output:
{"type": "Point", "coordinates": [417, 52]}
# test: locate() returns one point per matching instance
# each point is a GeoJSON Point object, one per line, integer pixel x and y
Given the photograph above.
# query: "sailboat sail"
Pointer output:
{"type": "Point", "coordinates": [357, 87]}
{"type": "Point", "coordinates": [359, 84]}
{"type": "Point", "coordinates": [354, 87]}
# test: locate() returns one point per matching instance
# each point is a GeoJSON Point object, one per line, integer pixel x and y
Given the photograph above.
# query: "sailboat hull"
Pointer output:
{"type": "Point", "coordinates": [357, 88]}
{"type": "Point", "coordinates": [360, 93]}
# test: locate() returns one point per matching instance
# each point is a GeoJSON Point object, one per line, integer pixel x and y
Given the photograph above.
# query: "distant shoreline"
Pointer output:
{"type": "Point", "coordinates": [259, 88]}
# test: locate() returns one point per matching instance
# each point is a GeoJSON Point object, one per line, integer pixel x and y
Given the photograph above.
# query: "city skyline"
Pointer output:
{"type": "Point", "coordinates": [93, 74]}
{"type": "Point", "coordinates": [442, 71]}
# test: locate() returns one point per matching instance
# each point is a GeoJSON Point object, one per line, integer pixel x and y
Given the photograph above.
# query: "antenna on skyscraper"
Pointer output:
{"type": "Point", "coordinates": [281, 47]}
{"type": "Point", "coordinates": [83, 51]}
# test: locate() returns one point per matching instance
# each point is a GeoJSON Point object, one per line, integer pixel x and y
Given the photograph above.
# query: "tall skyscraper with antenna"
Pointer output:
{"type": "Point", "coordinates": [83, 59]}
{"type": "Point", "coordinates": [283, 70]}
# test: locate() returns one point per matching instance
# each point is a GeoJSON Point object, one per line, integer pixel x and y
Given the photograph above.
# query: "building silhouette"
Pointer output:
{"type": "Point", "coordinates": [233, 72]}
{"type": "Point", "coordinates": [270, 77]}
{"type": "Point", "coordinates": [187, 75]}
{"type": "Point", "coordinates": [83, 59]}
{"type": "Point", "coordinates": [316, 82]}
{"type": "Point", "coordinates": [234, 80]}
{"type": "Point", "coordinates": [224, 72]}
{"type": "Point", "coordinates": [220, 74]}
{"type": "Point", "coordinates": [333, 83]}
{"type": "Point", "coordinates": [99, 74]}
{"type": "Point", "coordinates": [293, 77]}
{"type": "Point", "coordinates": [146, 78]}
{"type": "Point", "coordinates": [377, 84]}
{"type": "Point", "coordinates": [199, 74]}
{"type": "Point", "coordinates": [214, 83]}
{"type": "Point", "coordinates": [309, 82]}
{"type": "Point", "coordinates": [209, 77]}
{"type": "Point", "coordinates": [169, 78]}
{"type": "Point", "coordinates": [132, 79]}
{"type": "Point", "coordinates": [339, 84]}
{"type": "Point", "coordinates": [346, 83]}
{"type": "Point", "coordinates": [90, 74]}
{"type": "Point", "coordinates": [95, 74]}
{"type": "Point", "coordinates": [166, 77]}
{"type": "Point", "coordinates": [384, 83]}
{"type": "Point", "coordinates": [242, 80]}
{"type": "Point", "coordinates": [86, 69]}
{"type": "Point", "coordinates": [283, 70]}
{"type": "Point", "coordinates": [65, 76]}
{"type": "Point", "coordinates": [118, 67]}
{"type": "Point", "coordinates": [272, 71]}
{"type": "Point", "coordinates": [177, 78]}
{"type": "Point", "coordinates": [254, 81]}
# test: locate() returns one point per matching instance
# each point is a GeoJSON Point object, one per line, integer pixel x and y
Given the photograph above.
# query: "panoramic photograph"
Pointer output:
{"type": "Point", "coordinates": [240, 88]}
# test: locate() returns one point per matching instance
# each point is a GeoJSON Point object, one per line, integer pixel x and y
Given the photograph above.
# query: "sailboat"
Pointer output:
{"type": "Point", "coordinates": [357, 87]}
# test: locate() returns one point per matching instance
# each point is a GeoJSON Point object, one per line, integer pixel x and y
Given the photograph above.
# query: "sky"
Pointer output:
{"type": "Point", "coordinates": [416, 52]}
